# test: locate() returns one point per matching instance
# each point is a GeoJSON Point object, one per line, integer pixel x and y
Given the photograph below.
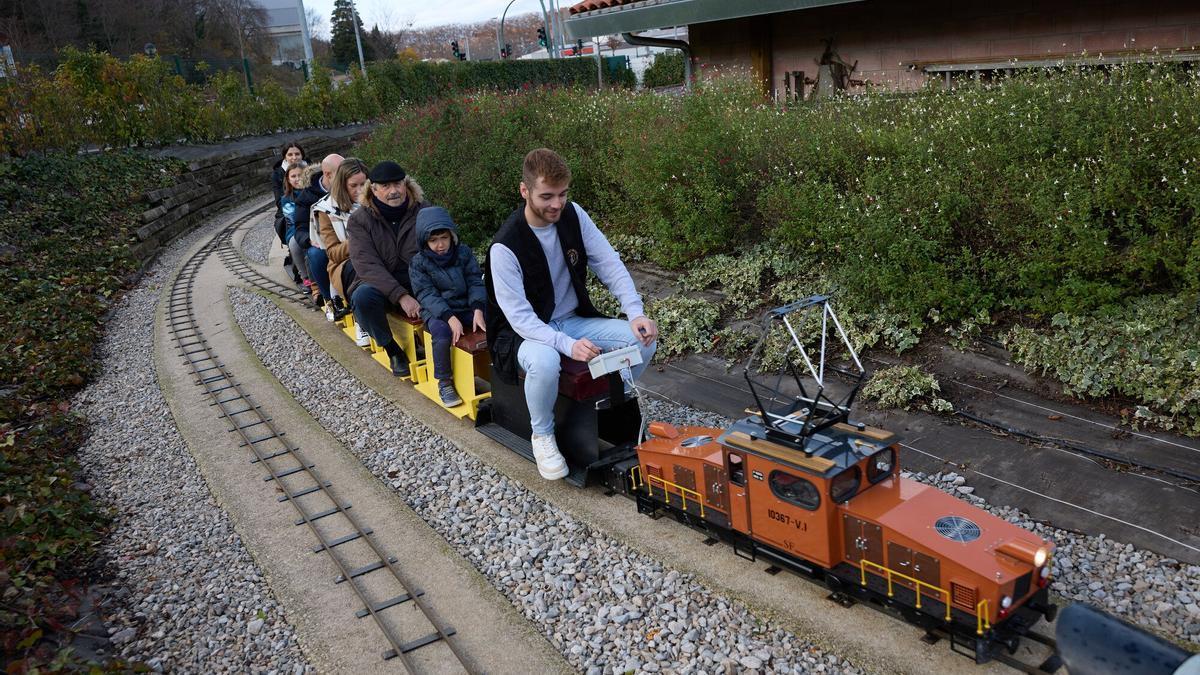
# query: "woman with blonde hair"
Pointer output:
{"type": "Point", "coordinates": [329, 222]}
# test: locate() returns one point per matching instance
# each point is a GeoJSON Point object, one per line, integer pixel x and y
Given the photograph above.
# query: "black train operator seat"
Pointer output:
{"type": "Point", "coordinates": [593, 427]}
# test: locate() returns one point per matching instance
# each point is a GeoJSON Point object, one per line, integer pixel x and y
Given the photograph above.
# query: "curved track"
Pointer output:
{"type": "Point", "coordinates": [312, 496]}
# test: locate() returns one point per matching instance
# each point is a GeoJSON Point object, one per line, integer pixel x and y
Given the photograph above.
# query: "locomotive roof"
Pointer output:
{"type": "Point", "coordinates": [832, 449]}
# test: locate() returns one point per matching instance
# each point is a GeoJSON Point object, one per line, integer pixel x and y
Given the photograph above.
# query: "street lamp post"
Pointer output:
{"type": "Point", "coordinates": [358, 40]}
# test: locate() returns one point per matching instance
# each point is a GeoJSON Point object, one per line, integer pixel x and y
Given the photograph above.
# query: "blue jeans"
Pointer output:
{"type": "Point", "coordinates": [542, 363]}
{"type": "Point", "coordinates": [370, 310]}
{"type": "Point", "coordinates": [318, 269]}
{"type": "Point", "coordinates": [439, 335]}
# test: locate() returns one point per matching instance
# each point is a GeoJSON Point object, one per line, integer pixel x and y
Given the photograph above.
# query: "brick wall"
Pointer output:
{"type": "Point", "coordinates": [218, 177]}
{"type": "Point", "coordinates": [886, 37]}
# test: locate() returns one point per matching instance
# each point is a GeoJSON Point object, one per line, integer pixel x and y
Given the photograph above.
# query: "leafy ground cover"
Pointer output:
{"type": "Point", "coordinates": [65, 226]}
{"type": "Point", "coordinates": [1067, 194]}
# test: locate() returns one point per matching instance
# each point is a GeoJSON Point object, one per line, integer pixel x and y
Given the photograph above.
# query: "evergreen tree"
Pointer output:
{"type": "Point", "coordinates": [343, 46]}
{"type": "Point", "coordinates": [381, 45]}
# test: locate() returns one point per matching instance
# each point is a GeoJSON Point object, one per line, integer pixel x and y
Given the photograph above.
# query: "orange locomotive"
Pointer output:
{"type": "Point", "coordinates": [800, 485]}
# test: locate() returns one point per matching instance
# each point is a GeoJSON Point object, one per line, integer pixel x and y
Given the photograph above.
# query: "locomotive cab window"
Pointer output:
{"type": "Point", "coordinates": [795, 490]}
{"type": "Point", "coordinates": [844, 485]}
{"type": "Point", "coordinates": [880, 465]}
{"type": "Point", "coordinates": [737, 470]}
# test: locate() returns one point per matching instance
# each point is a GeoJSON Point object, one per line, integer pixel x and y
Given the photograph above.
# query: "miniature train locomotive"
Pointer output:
{"type": "Point", "coordinates": [794, 482]}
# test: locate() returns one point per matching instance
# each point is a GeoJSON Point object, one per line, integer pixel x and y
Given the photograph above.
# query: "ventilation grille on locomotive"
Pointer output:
{"type": "Point", "coordinates": [964, 596]}
{"type": "Point", "coordinates": [696, 441]}
{"type": "Point", "coordinates": [957, 528]}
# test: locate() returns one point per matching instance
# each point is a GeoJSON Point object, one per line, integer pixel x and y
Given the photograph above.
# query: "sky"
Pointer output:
{"type": "Point", "coordinates": [424, 13]}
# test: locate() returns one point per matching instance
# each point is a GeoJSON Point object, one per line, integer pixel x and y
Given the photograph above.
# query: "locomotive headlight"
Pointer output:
{"type": "Point", "coordinates": [1006, 601]}
{"type": "Point", "coordinates": [1039, 558]}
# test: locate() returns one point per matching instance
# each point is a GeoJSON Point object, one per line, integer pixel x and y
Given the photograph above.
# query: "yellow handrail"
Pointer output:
{"type": "Point", "coordinates": [683, 492]}
{"type": "Point", "coordinates": [635, 476]}
{"type": "Point", "coordinates": [887, 573]}
{"type": "Point", "coordinates": [982, 622]}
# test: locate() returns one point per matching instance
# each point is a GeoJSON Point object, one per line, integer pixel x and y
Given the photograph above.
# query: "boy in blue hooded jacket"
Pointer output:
{"type": "Point", "coordinates": [447, 282]}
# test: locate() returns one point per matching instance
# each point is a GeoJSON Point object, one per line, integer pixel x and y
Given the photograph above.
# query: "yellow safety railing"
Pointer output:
{"type": "Point", "coordinates": [683, 492]}
{"type": "Point", "coordinates": [888, 573]}
{"type": "Point", "coordinates": [982, 622]}
{"type": "Point", "coordinates": [635, 476]}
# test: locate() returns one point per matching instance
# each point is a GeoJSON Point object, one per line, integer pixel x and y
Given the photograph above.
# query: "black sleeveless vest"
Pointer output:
{"type": "Point", "coordinates": [516, 234]}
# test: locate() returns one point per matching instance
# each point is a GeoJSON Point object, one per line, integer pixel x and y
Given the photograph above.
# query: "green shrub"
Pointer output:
{"type": "Point", "coordinates": [403, 81]}
{"type": "Point", "coordinates": [665, 70]}
{"type": "Point", "coordinates": [906, 387]}
{"type": "Point", "coordinates": [95, 99]}
{"type": "Point", "coordinates": [1146, 350]}
{"type": "Point", "coordinates": [1049, 192]}
{"type": "Point", "coordinates": [1053, 192]}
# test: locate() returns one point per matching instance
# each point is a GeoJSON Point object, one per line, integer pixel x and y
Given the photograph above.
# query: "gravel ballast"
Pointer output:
{"type": "Point", "coordinates": [186, 595]}
{"type": "Point", "coordinates": [259, 241]}
{"type": "Point", "coordinates": [605, 606]}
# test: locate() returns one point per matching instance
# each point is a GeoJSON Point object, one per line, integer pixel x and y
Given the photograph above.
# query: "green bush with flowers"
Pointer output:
{"type": "Point", "coordinates": [1053, 192]}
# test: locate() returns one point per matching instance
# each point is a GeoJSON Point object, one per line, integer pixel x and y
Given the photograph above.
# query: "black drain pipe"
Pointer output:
{"type": "Point", "coordinates": [681, 45]}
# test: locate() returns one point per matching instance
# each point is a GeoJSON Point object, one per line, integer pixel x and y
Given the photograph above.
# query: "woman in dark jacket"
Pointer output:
{"type": "Point", "coordinates": [292, 154]}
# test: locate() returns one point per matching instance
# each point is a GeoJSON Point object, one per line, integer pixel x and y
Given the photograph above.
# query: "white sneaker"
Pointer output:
{"type": "Point", "coordinates": [329, 312]}
{"type": "Point", "coordinates": [550, 462]}
{"type": "Point", "coordinates": [360, 336]}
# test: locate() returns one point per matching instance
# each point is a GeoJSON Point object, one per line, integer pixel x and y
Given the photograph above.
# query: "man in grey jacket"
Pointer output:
{"type": "Point", "coordinates": [383, 241]}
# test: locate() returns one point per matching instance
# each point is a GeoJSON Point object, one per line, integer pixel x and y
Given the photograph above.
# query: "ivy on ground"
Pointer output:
{"type": "Point", "coordinates": [1146, 350]}
{"type": "Point", "coordinates": [65, 225]}
{"type": "Point", "coordinates": [906, 387]}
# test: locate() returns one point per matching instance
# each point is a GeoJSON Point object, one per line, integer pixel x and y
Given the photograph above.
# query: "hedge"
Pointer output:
{"type": "Point", "coordinates": [1050, 192]}
{"type": "Point", "coordinates": [666, 70]}
{"type": "Point", "coordinates": [95, 100]}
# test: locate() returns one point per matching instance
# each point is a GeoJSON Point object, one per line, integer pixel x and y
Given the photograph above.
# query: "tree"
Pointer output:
{"type": "Point", "coordinates": [381, 44]}
{"type": "Point", "coordinates": [345, 49]}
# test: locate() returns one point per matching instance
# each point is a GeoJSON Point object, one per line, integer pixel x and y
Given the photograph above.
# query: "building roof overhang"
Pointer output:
{"type": "Point", "coordinates": [609, 17]}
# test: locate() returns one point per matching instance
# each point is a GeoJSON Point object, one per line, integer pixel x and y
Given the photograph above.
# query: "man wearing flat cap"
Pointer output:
{"type": "Point", "coordinates": [382, 238]}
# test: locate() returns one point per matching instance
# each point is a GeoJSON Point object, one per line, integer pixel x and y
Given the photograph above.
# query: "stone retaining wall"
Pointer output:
{"type": "Point", "coordinates": [218, 177]}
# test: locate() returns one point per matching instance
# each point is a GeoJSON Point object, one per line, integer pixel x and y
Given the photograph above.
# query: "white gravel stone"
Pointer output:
{"type": "Point", "coordinates": [259, 241]}
{"type": "Point", "coordinates": [183, 584]}
{"type": "Point", "coordinates": [567, 573]}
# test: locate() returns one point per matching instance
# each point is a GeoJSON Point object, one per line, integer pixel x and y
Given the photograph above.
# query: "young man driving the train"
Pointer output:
{"type": "Point", "coordinates": [538, 304]}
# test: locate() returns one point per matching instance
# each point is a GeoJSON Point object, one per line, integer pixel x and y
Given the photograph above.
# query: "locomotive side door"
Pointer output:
{"type": "Point", "coordinates": [862, 540]}
{"type": "Point", "coordinates": [739, 495]}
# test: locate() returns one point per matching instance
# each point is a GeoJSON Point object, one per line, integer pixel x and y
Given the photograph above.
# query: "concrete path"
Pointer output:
{"type": "Point", "coordinates": [492, 632]}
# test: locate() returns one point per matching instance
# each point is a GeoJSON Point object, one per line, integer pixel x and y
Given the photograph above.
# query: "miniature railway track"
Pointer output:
{"type": "Point", "coordinates": [297, 478]}
{"type": "Point", "coordinates": [233, 260]}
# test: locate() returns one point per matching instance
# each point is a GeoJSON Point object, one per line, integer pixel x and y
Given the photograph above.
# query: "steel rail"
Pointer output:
{"type": "Point", "coordinates": [202, 362]}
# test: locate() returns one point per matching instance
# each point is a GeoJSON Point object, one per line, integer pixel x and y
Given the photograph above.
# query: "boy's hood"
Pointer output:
{"type": "Point", "coordinates": [433, 218]}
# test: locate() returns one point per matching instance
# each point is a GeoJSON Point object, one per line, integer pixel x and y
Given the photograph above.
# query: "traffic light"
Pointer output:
{"type": "Point", "coordinates": [542, 37]}
{"type": "Point", "coordinates": [579, 47]}
{"type": "Point", "coordinates": [506, 50]}
{"type": "Point", "coordinates": [454, 48]}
